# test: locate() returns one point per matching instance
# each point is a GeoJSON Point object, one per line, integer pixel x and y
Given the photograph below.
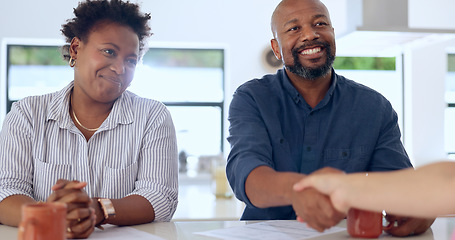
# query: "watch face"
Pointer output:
{"type": "Point", "coordinates": [108, 207]}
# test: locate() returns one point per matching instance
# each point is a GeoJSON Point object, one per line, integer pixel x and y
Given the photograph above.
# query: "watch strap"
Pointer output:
{"type": "Point", "coordinates": [107, 207]}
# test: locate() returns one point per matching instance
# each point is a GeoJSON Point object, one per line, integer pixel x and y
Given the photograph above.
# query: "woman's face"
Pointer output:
{"type": "Point", "coordinates": [105, 62]}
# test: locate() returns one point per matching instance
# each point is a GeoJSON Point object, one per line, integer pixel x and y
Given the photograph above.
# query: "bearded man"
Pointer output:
{"type": "Point", "coordinates": [306, 119]}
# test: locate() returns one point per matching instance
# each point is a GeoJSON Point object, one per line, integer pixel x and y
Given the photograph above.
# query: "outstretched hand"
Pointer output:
{"type": "Point", "coordinates": [327, 183]}
{"type": "Point", "coordinates": [340, 191]}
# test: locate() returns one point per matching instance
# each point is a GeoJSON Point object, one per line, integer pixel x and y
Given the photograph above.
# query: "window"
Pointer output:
{"type": "Point", "coordinates": [190, 81]}
{"type": "Point", "coordinates": [449, 127]}
{"type": "Point", "coordinates": [34, 70]}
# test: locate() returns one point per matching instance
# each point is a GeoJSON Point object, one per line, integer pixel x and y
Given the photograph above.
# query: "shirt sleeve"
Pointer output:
{"type": "Point", "coordinates": [157, 177]}
{"type": "Point", "coordinates": [250, 142]}
{"type": "Point", "coordinates": [16, 167]}
{"type": "Point", "coordinates": [389, 153]}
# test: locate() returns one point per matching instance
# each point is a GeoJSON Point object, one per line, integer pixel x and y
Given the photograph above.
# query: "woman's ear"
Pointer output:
{"type": "Point", "coordinates": [74, 47]}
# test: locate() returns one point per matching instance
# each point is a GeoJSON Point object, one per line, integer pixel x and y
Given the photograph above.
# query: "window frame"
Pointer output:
{"type": "Point", "coordinates": [450, 104]}
{"type": "Point", "coordinates": [5, 102]}
{"type": "Point", "coordinates": [222, 104]}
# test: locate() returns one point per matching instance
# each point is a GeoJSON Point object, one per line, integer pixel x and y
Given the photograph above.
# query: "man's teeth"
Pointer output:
{"type": "Point", "coordinates": [310, 51]}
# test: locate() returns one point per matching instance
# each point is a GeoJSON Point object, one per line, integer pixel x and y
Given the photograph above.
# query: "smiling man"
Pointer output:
{"type": "Point", "coordinates": [306, 119]}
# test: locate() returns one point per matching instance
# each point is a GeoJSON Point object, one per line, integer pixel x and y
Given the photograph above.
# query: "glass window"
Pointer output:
{"type": "Point", "coordinates": [190, 81]}
{"type": "Point", "coordinates": [450, 79]}
{"type": "Point", "coordinates": [198, 129]}
{"type": "Point", "coordinates": [181, 75]}
{"type": "Point", "coordinates": [449, 127]}
{"type": "Point", "coordinates": [35, 70]}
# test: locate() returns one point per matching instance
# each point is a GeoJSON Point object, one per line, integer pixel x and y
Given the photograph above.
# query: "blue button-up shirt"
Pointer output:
{"type": "Point", "coordinates": [354, 129]}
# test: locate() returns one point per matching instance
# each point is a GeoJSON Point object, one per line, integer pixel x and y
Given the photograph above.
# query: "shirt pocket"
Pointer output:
{"type": "Point", "coordinates": [119, 182]}
{"type": "Point", "coordinates": [46, 175]}
{"type": "Point", "coordinates": [347, 159]}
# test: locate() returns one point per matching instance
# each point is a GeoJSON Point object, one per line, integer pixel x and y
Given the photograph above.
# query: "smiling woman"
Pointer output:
{"type": "Point", "coordinates": [107, 153]}
{"type": "Point", "coordinates": [104, 67]}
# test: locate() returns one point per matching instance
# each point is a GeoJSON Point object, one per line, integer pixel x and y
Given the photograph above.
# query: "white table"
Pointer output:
{"type": "Point", "coordinates": [442, 229]}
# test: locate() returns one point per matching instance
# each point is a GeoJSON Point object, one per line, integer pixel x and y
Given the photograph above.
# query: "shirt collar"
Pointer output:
{"type": "Point", "coordinates": [58, 109]}
{"type": "Point", "coordinates": [122, 111]}
{"type": "Point", "coordinates": [330, 92]}
{"type": "Point", "coordinates": [295, 95]}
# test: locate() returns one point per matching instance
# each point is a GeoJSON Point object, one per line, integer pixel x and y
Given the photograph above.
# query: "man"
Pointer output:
{"type": "Point", "coordinates": [306, 119]}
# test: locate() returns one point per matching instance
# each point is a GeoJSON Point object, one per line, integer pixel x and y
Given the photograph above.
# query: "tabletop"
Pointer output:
{"type": "Point", "coordinates": [442, 229]}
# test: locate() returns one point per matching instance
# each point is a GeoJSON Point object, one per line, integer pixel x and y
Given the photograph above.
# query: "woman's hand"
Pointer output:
{"type": "Point", "coordinates": [329, 183]}
{"type": "Point", "coordinates": [80, 216]}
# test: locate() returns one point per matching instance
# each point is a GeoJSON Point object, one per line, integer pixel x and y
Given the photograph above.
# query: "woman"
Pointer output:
{"type": "Point", "coordinates": [428, 191]}
{"type": "Point", "coordinates": [107, 153]}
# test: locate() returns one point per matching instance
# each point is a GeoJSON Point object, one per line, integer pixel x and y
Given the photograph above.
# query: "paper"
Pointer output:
{"type": "Point", "coordinates": [269, 230]}
{"type": "Point", "coordinates": [122, 233]}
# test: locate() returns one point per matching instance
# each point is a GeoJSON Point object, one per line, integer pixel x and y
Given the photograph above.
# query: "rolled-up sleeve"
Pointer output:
{"type": "Point", "coordinates": [157, 177]}
{"type": "Point", "coordinates": [16, 167]}
{"type": "Point", "coordinates": [250, 144]}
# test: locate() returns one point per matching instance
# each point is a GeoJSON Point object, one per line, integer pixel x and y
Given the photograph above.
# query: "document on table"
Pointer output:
{"type": "Point", "coordinates": [269, 230]}
{"type": "Point", "coordinates": [122, 233]}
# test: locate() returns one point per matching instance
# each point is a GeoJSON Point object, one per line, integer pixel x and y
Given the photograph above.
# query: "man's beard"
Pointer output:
{"type": "Point", "coordinates": [311, 73]}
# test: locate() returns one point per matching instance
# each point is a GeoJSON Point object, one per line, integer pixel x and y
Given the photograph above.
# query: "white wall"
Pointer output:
{"type": "Point", "coordinates": [425, 103]}
{"type": "Point", "coordinates": [434, 14]}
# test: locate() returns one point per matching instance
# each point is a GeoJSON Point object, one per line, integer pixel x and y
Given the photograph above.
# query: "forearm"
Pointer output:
{"type": "Point", "coordinates": [425, 192]}
{"type": "Point", "coordinates": [129, 210]}
{"type": "Point", "coordinates": [11, 207]}
{"type": "Point", "coordinates": [266, 187]}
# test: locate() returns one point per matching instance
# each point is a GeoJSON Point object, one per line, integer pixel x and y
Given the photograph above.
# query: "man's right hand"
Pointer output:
{"type": "Point", "coordinates": [315, 209]}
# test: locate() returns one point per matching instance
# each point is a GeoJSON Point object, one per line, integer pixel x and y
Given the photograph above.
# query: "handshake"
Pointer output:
{"type": "Point", "coordinates": [325, 197]}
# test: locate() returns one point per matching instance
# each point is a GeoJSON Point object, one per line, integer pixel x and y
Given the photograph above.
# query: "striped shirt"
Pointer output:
{"type": "Point", "coordinates": [134, 152]}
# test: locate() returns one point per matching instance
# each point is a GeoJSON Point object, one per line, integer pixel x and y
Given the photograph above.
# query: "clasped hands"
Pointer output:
{"type": "Point", "coordinates": [317, 210]}
{"type": "Point", "coordinates": [80, 218]}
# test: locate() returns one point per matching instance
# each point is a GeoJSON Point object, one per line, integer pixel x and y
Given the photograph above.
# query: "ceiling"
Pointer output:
{"type": "Point", "coordinates": [385, 30]}
{"type": "Point", "coordinates": [385, 43]}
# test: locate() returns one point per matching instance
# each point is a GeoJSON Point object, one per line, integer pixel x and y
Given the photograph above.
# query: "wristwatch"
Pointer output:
{"type": "Point", "coordinates": [107, 207]}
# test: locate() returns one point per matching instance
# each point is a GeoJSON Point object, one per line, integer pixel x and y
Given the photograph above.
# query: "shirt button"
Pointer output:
{"type": "Point", "coordinates": [308, 149]}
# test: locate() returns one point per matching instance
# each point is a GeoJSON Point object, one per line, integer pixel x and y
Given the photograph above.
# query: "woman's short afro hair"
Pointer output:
{"type": "Point", "coordinates": [91, 12]}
